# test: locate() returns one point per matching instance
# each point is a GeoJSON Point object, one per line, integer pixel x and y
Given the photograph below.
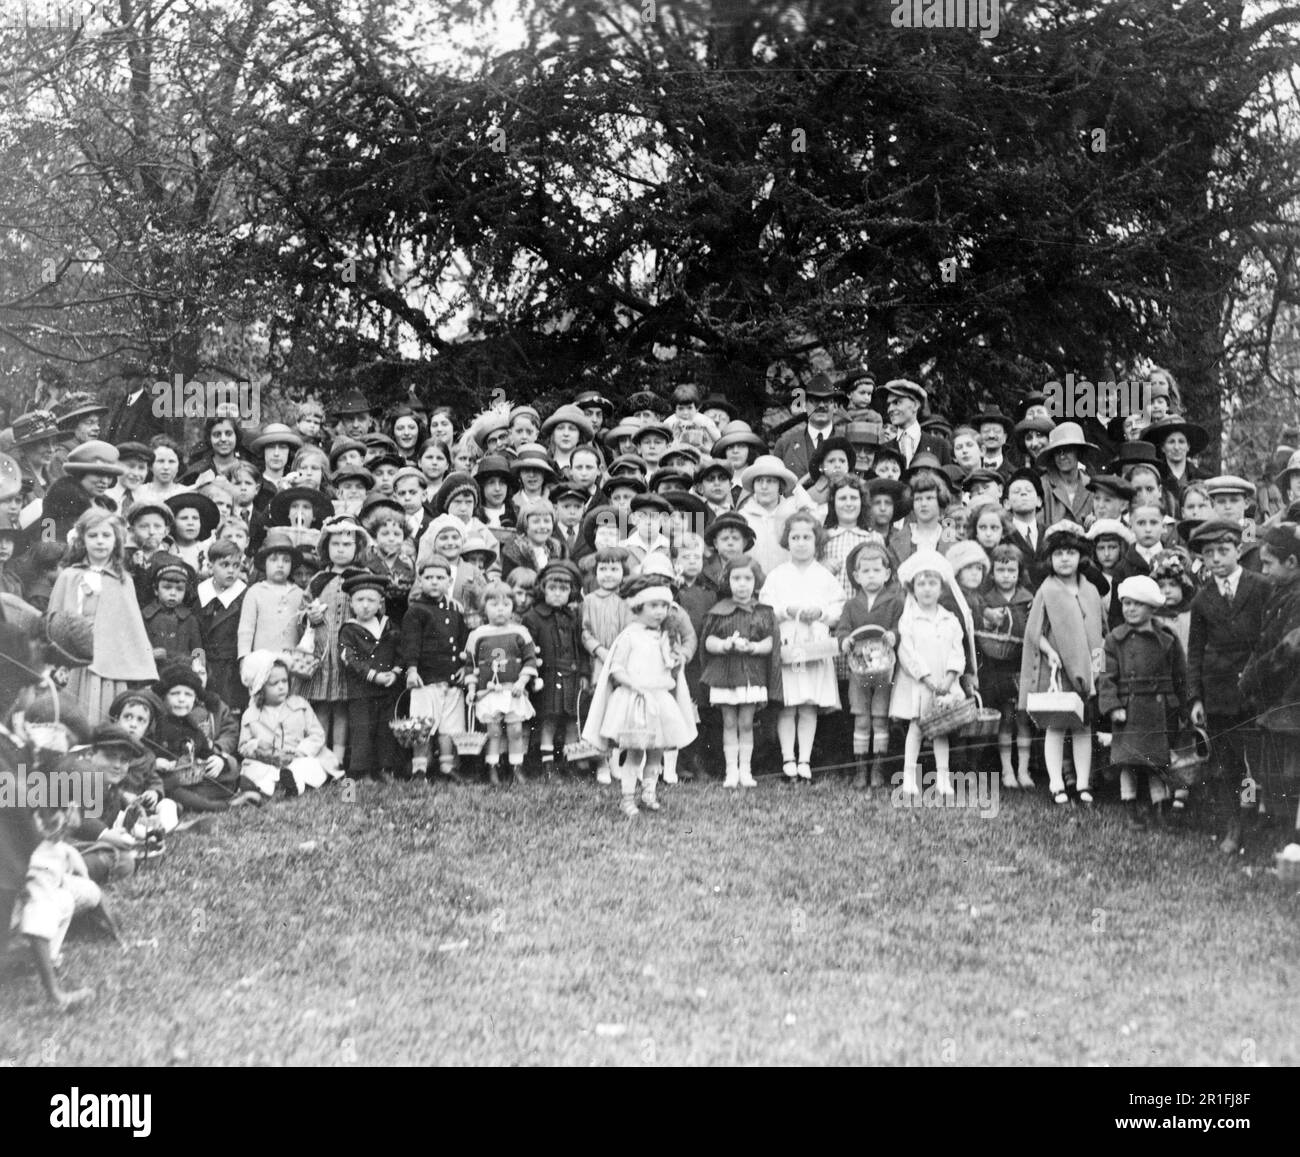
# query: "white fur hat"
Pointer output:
{"type": "Point", "coordinates": [924, 560]}
{"type": "Point", "coordinates": [1142, 589]}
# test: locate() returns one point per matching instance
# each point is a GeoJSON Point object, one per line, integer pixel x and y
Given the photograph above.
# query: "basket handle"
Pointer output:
{"type": "Point", "coordinates": [397, 703]}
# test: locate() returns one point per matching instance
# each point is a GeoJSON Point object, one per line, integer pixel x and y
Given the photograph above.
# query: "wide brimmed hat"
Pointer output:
{"type": "Point", "coordinates": [1132, 454]}
{"type": "Point", "coordinates": [1280, 479]}
{"type": "Point", "coordinates": [896, 489]}
{"type": "Point", "coordinates": [70, 409]}
{"type": "Point", "coordinates": [94, 457]}
{"type": "Point", "coordinates": [534, 457]}
{"type": "Point", "coordinates": [278, 512]}
{"type": "Point", "coordinates": [353, 402]}
{"type": "Point", "coordinates": [834, 442]}
{"type": "Point", "coordinates": [1025, 425]}
{"type": "Point", "coordinates": [569, 413]}
{"type": "Point", "coordinates": [276, 434]}
{"type": "Point", "coordinates": [732, 521]}
{"type": "Point", "coordinates": [768, 466]}
{"type": "Point", "coordinates": [487, 426]}
{"type": "Point", "coordinates": [1197, 436]}
{"type": "Point", "coordinates": [1066, 436]}
{"type": "Point", "coordinates": [35, 426]}
{"type": "Point", "coordinates": [496, 466]}
{"type": "Point", "coordinates": [616, 433]}
{"type": "Point", "coordinates": [737, 433]}
{"type": "Point", "coordinates": [377, 500]}
{"type": "Point", "coordinates": [820, 386]}
{"type": "Point", "coordinates": [71, 638]}
{"type": "Point", "coordinates": [337, 524]}
{"type": "Point", "coordinates": [209, 515]}
{"type": "Point", "coordinates": [684, 502]}
{"type": "Point", "coordinates": [481, 541]}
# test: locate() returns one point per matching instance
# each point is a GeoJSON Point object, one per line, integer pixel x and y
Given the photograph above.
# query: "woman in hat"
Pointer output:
{"type": "Point", "coordinates": [738, 447]}
{"type": "Point", "coordinates": [77, 417]}
{"type": "Point", "coordinates": [1066, 496]}
{"type": "Point", "coordinates": [770, 488]}
{"type": "Point", "coordinates": [1030, 436]}
{"type": "Point", "coordinates": [89, 472]}
{"type": "Point", "coordinates": [33, 448]}
{"type": "Point", "coordinates": [1178, 442]}
{"type": "Point", "coordinates": [220, 450]}
{"type": "Point", "coordinates": [563, 432]}
{"type": "Point", "coordinates": [95, 586]}
{"type": "Point", "coordinates": [276, 444]}
{"type": "Point", "coordinates": [408, 431]}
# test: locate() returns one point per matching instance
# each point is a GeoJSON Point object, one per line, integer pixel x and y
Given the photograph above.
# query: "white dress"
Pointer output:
{"type": "Point", "coordinates": [805, 585]}
{"type": "Point", "coordinates": [928, 644]}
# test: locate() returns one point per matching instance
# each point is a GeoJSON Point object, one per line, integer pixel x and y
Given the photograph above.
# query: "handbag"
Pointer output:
{"type": "Point", "coordinates": [1054, 707]}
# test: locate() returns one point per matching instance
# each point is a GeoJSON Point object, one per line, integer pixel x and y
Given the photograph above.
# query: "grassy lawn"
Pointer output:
{"type": "Point", "coordinates": [783, 925]}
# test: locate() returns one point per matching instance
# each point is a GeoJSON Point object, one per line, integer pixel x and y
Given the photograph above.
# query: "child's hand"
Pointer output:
{"type": "Point", "coordinates": [845, 646]}
{"type": "Point", "coordinates": [316, 612]}
{"type": "Point", "coordinates": [164, 764]}
{"type": "Point", "coordinates": [1119, 715]}
{"type": "Point", "coordinates": [387, 679]}
{"type": "Point", "coordinates": [1197, 716]}
{"type": "Point", "coordinates": [810, 614]}
{"type": "Point", "coordinates": [413, 679]}
{"type": "Point", "coordinates": [212, 766]}
{"type": "Point", "coordinates": [792, 612]}
{"type": "Point", "coordinates": [518, 687]}
{"type": "Point", "coordinates": [149, 799]}
{"type": "Point", "coordinates": [1098, 661]}
{"type": "Point", "coordinates": [743, 645]}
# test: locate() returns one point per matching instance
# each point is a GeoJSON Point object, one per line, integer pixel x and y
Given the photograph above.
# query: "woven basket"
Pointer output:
{"type": "Point", "coordinates": [871, 659]}
{"type": "Point", "coordinates": [1187, 761]}
{"type": "Point", "coordinates": [998, 645]}
{"type": "Point", "coordinates": [580, 748]}
{"type": "Point", "coordinates": [409, 731]}
{"type": "Point", "coordinates": [303, 660]}
{"type": "Point", "coordinates": [188, 771]}
{"type": "Point", "coordinates": [985, 723]}
{"type": "Point", "coordinates": [469, 741]}
{"type": "Point", "coordinates": [946, 716]}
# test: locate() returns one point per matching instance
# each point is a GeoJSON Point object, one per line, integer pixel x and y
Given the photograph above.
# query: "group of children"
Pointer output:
{"type": "Point", "coordinates": [627, 601]}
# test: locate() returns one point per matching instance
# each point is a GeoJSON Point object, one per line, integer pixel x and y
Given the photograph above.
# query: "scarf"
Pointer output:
{"type": "Point", "coordinates": [1077, 627]}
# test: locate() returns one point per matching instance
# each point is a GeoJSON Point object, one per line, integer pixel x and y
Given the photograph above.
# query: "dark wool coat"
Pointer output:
{"type": "Point", "coordinates": [1220, 640]}
{"type": "Point", "coordinates": [175, 631]}
{"type": "Point", "coordinates": [517, 553]}
{"type": "Point", "coordinates": [213, 729]}
{"type": "Point", "coordinates": [363, 654]}
{"type": "Point", "coordinates": [432, 639]}
{"type": "Point", "coordinates": [557, 635]}
{"type": "Point", "coordinates": [1272, 674]}
{"type": "Point", "coordinates": [1146, 675]}
{"type": "Point", "coordinates": [65, 503]}
{"type": "Point", "coordinates": [755, 623]}
{"type": "Point", "coordinates": [219, 628]}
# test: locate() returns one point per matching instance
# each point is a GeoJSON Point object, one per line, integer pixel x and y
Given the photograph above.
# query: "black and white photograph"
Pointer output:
{"type": "Point", "coordinates": [723, 534]}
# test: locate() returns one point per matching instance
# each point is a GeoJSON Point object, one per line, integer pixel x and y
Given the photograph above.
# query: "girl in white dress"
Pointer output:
{"type": "Point", "coordinates": [931, 658]}
{"type": "Point", "coordinates": [807, 600]}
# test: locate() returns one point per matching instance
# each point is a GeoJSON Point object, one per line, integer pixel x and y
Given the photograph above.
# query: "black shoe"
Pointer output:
{"type": "Point", "coordinates": [383, 775]}
{"type": "Point", "coordinates": [1136, 814]}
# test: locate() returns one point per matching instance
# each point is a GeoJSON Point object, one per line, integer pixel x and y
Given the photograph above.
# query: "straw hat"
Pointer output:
{"type": "Point", "coordinates": [768, 466]}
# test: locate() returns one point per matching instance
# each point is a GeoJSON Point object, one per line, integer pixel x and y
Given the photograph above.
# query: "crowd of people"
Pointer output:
{"type": "Point", "coordinates": [634, 596]}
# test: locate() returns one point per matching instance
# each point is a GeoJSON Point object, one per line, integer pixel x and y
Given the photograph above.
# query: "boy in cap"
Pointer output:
{"type": "Point", "coordinates": [1227, 617]}
{"type": "Point", "coordinates": [1143, 690]}
{"type": "Point", "coordinates": [368, 648]}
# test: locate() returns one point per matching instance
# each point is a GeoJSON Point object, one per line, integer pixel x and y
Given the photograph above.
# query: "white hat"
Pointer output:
{"type": "Point", "coordinates": [924, 560]}
{"type": "Point", "coordinates": [768, 466]}
{"type": "Point", "coordinates": [255, 669]}
{"type": "Point", "coordinates": [1142, 588]}
{"type": "Point", "coordinates": [966, 552]}
{"type": "Point", "coordinates": [1112, 527]}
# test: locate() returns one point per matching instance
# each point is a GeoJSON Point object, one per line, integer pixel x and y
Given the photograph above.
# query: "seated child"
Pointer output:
{"type": "Point", "coordinates": [200, 771]}
{"type": "Point", "coordinates": [280, 738]}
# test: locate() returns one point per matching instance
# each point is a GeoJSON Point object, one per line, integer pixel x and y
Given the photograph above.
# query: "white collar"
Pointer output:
{"type": "Point", "coordinates": [207, 591]}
